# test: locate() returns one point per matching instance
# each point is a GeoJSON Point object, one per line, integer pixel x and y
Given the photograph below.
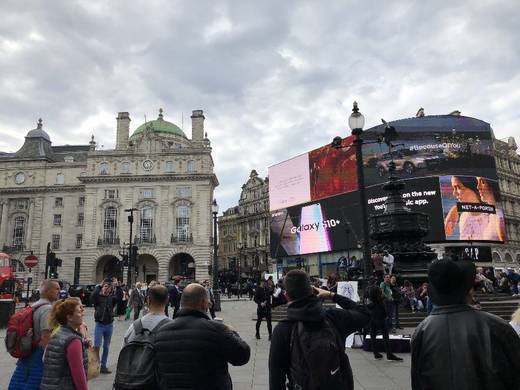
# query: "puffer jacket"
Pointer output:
{"type": "Point", "coordinates": [193, 352]}
{"type": "Point", "coordinates": [56, 372]}
{"type": "Point", "coordinates": [460, 348]}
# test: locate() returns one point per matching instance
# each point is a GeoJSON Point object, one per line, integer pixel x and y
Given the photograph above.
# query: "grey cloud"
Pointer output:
{"type": "Point", "coordinates": [276, 78]}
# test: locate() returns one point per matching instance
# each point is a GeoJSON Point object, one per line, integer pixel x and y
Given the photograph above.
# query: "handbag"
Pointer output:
{"type": "Point", "coordinates": [358, 340]}
{"type": "Point", "coordinates": [94, 364]}
{"type": "Point", "coordinates": [127, 313]}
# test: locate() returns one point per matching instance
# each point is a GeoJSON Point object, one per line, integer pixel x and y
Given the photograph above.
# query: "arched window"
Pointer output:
{"type": "Point", "coordinates": [125, 167]}
{"type": "Point", "coordinates": [103, 168]}
{"type": "Point", "coordinates": [19, 232]}
{"type": "Point", "coordinates": [60, 178]}
{"type": "Point", "coordinates": [182, 222]}
{"type": "Point", "coordinates": [110, 225]}
{"type": "Point", "coordinates": [169, 166]}
{"type": "Point", "coordinates": [190, 167]}
{"type": "Point", "coordinates": [146, 224]}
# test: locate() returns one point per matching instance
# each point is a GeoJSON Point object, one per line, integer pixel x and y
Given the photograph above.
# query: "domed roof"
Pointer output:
{"type": "Point", "coordinates": [38, 132]}
{"type": "Point", "coordinates": [160, 126]}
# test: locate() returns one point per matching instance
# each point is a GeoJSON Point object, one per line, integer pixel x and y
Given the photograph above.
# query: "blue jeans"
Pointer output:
{"type": "Point", "coordinates": [103, 331]}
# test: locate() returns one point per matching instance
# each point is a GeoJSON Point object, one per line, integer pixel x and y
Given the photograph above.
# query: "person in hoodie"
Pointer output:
{"type": "Point", "coordinates": [304, 304]}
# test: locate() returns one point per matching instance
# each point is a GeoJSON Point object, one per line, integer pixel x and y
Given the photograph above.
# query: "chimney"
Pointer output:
{"type": "Point", "coordinates": [123, 130]}
{"type": "Point", "coordinates": [197, 125]}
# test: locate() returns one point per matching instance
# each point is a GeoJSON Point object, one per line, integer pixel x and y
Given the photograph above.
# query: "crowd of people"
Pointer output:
{"type": "Point", "coordinates": [193, 349]}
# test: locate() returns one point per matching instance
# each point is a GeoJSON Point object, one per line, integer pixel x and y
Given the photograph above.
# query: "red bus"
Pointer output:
{"type": "Point", "coordinates": [7, 279]}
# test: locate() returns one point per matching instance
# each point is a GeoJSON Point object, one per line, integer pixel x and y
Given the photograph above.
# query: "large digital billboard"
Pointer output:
{"type": "Point", "coordinates": [449, 171]}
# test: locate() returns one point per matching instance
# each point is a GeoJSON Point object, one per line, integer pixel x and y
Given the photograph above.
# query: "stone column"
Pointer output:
{"type": "Point", "coordinates": [28, 245]}
{"type": "Point", "coordinates": [4, 223]}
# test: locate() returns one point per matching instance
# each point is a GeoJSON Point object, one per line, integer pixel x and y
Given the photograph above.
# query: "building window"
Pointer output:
{"type": "Point", "coordinates": [58, 202]}
{"type": "Point", "coordinates": [57, 219]}
{"type": "Point", "coordinates": [103, 168]}
{"type": "Point", "coordinates": [21, 204]}
{"type": "Point", "coordinates": [69, 159]}
{"type": "Point", "coordinates": [190, 167]}
{"type": "Point", "coordinates": [81, 218]}
{"type": "Point", "coordinates": [19, 232]}
{"type": "Point", "coordinates": [184, 192]}
{"type": "Point", "coordinates": [111, 194]}
{"type": "Point", "coordinates": [146, 193]}
{"type": "Point", "coordinates": [146, 225]}
{"type": "Point", "coordinates": [125, 167]}
{"type": "Point", "coordinates": [169, 166]}
{"type": "Point", "coordinates": [60, 179]}
{"type": "Point", "coordinates": [110, 225]}
{"type": "Point", "coordinates": [81, 201]}
{"type": "Point", "coordinates": [182, 222]}
{"type": "Point", "coordinates": [55, 241]}
{"type": "Point", "coordinates": [79, 240]}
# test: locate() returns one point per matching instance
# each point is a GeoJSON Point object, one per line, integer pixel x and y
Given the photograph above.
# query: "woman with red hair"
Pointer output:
{"type": "Point", "coordinates": [65, 363]}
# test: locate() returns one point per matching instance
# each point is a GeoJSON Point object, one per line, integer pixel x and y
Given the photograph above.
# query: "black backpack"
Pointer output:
{"type": "Point", "coordinates": [318, 359]}
{"type": "Point", "coordinates": [136, 361]}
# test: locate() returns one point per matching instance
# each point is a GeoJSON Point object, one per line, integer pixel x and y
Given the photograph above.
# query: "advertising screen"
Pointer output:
{"type": "Point", "coordinates": [449, 172]}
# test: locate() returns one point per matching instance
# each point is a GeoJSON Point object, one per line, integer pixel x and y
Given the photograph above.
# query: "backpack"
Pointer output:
{"type": "Point", "coordinates": [19, 342]}
{"type": "Point", "coordinates": [136, 361]}
{"type": "Point", "coordinates": [318, 359]}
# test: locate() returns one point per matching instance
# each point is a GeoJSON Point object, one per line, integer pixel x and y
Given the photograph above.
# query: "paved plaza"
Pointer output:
{"type": "Point", "coordinates": [369, 374]}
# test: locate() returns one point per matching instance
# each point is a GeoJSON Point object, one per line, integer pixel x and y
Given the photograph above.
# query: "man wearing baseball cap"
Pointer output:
{"type": "Point", "coordinates": [458, 347]}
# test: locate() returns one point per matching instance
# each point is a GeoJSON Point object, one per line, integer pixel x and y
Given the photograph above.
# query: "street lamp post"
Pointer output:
{"type": "Point", "coordinates": [239, 276]}
{"type": "Point", "coordinates": [216, 290]}
{"type": "Point", "coordinates": [131, 254]}
{"type": "Point", "coordinates": [356, 122]}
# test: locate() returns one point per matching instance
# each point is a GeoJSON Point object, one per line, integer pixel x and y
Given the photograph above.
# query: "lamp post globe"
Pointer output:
{"type": "Point", "coordinates": [356, 120]}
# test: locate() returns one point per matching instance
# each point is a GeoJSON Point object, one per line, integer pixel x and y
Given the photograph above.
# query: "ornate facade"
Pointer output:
{"type": "Point", "coordinates": [508, 169]}
{"type": "Point", "coordinates": [75, 196]}
{"type": "Point", "coordinates": [244, 230]}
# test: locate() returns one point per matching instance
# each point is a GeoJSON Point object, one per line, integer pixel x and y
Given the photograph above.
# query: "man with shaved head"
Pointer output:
{"type": "Point", "coordinates": [29, 371]}
{"type": "Point", "coordinates": [192, 351]}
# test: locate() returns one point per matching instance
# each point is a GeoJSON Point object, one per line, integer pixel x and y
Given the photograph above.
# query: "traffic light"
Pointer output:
{"type": "Point", "coordinates": [51, 259]}
{"type": "Point", "coordinates": [58, 262]}
{"type": "Point", "coordinates": [210, 269]}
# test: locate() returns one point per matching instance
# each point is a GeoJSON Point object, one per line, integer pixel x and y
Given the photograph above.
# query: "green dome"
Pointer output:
{"type": "Point", "coordinates": [160, 126]}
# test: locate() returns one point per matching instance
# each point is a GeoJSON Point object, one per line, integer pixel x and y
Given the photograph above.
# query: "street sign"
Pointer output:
{"type": "Point", "coordinates": [31, 261]}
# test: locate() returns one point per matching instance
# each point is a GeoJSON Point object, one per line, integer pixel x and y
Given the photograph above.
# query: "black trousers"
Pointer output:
{"type": "Point", "coordinates": [212, 311]}
{"type": "Point", "coordinates": [261, 313]}
{"type": "Point", "coordinates": [137, 310]}
{"type": "Point", "coordinates": [175, 310]}
{"type": "Point", "coordinates": [374, 328]}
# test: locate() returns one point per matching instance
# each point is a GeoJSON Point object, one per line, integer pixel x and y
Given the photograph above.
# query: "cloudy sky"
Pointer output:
{"type": "Point", "coordinates": [274, 78]}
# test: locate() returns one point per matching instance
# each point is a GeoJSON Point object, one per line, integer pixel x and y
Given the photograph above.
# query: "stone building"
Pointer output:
{"type": "Point", "coordinates": [508, 170]}
{"type": "Point", "coordinates": [244, 230]}
{"type": "Point", "coordinates": [75, 196]}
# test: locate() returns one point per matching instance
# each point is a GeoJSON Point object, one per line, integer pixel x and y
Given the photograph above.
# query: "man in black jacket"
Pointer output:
{"type": "Point", "coordinates": [103, 300]}
{"type": "Point", "coordinates": [193, 352]}
{"type": "Point", "coordinates": [458, 347]}
{"type": "Point", "coordinates": [305, 306]}
{"type": "Point", "coordinates": [263, 296]}
{"type": "Point", "coordinates": [175, 296]}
